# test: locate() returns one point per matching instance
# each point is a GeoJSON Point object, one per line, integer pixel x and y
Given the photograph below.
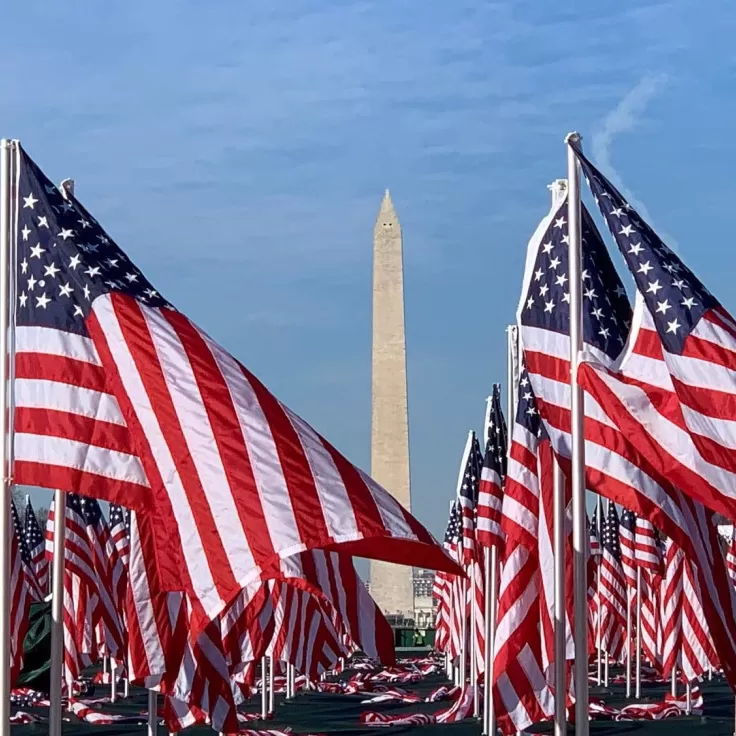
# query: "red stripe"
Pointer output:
{"type": "Point", "coordinates": [60, 369]}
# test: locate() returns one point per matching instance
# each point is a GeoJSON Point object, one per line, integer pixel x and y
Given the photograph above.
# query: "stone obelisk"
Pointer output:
{"type": "Point", "coordinates": [391, 585]}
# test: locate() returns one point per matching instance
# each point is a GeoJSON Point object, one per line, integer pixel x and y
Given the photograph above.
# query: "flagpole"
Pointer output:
{"type": "Point", "coordinates": [264, 687]}
{"type": "Point", "coordinates": [638, 632]}
{"type": "Point", "coordinates": [628, 644]}
{"type": "Point", "coordinates": [5, 393]}
{"type": "Point", "coordinates": [582, 725]}
{"type": "Point", "coordinates": [599, 636]}
{"type": "Point", "coordinates": [473, 643]}
{"type": "Point", "coordinates": [271, 685]}
{"type": "Point", "coordinates": [152, 712]}
{"type": "Point", "coordinates": [560, 610]}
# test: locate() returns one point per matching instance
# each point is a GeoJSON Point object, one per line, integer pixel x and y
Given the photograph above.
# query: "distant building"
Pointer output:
{"type": "Point", "coordinates": [424, 606]}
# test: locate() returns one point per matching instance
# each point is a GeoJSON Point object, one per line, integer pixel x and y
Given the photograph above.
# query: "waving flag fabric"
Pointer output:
{"type": "Point", "coordinates": [120, 396]}
{"type": "Point", "coordinates": [490, 490]}
{"type": "Point", "coordinates": [36, 546]}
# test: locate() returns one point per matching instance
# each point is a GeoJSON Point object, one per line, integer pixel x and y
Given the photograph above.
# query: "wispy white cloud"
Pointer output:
{"type": "Point", "coordinates": [624, 118]}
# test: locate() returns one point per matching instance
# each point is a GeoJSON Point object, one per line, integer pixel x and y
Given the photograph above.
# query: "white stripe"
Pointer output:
{"type": "Point", "coordinates": [194, 557]}
{"type": "Point", "coordinates": [50, 341]}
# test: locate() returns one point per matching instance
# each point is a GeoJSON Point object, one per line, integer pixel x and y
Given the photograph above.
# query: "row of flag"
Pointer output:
{"type": "Point", "coordinates": [657, 440]}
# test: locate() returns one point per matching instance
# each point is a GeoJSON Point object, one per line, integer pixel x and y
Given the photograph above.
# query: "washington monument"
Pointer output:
{"type": "Point", "coordinates": [391, 585]}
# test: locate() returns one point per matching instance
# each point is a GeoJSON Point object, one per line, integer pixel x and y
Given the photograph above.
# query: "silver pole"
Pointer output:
{"type": "Point", "coordinates": [264, 687]}
{"type": "Point", "coordinates": [628, 645]}
{"type": "Point", "coordinates": [638, 632]}
{"type": "Point", "coordinates": [57, 615]}
{"type": "Point", "coordinates": [491, 607]}
{"type": "Point", "coordinates": [473, 644]}
{"type": "Point", "coordinates": [582, 726]}
{"type": "Point", "coordinates": [560, 612]}
{"type": "Point", "coordinates": [673, 683]}
{"type": "Point", "coordinates": [463, 633]}
{"type": "Point", "coordinates": [152, 713]}
{"type": "Point", "coordinates": [126, 688]}
{"type": "Point", "coordinates": [605, 678]}
{"type": "Point", "coordinates": [599, 635]}
{"type": "Point", "coordinates": [113, 681]}
{"type": "Point", "coordinates": [688, 700]}
{"type": "Point", "coordinates": [271, 683]}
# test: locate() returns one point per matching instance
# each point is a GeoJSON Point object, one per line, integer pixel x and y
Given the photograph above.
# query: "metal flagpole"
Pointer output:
{"type": "Point", "coordinates": [152, 712]}
{"type": "Point", "coordinates": [673, 684]}
{"type": "Point", "coordinates": [473, 643]}
{"type": "Point", "coordinates": [491, 575]}
{"type": "Point", "coordinates": [463, 633]}
{"type": "Point", "coordinates": [688, 700]}
{"type": "Point", "coordinates": [560, 611]}
{"type": "Point", "coordinates": [271, 684]}
{"type": "Point", "coordinates": [628, 644]}
{"type": "Point", "coordinates": [582, 726]}
{"type": "Point", "coordinates": [264, 687]}
{"type": "Point", "coordinates": [638, 632]}
{"type": "Point", "coordinates": [5, 288]}
{"type": "Point", "coordinates": [599, 635]}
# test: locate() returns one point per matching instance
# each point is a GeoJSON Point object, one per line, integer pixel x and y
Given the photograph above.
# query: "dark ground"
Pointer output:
{"type": "Point", "coordinates": [322, 713]}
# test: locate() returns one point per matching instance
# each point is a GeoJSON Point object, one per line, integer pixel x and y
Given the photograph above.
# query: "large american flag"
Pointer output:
{"type": "Point", "coordinates": [120, 396]}
{"type": "Point", "coordinates": [490, 489]}
{"type": "Point", "coordinates": [36, 546]}
{"type": "Point", "coordinates": [615, 466]}
{"type": "Point", "coordinates": [674, 387]}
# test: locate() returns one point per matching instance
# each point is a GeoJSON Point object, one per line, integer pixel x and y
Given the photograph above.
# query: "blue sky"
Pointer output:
{"type": "Point", "coordinates": [239, 152]}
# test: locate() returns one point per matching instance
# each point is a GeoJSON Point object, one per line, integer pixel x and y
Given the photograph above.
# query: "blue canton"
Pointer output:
{"type": "Point", "coordinates": [611, 542]}
{"type": "Point", "coordinates": [675, 297]}
{"type": "Point", "coordinates": [606, 308]}
{"type": "Point", "coordinates": [25, 552]}
{"type": "Point", "coordinates": [527, 414]}
{"type": "Point", "coordinates": [65, 259]}
{"type": "Point", "coordinates": [628, 520]}
{"type": "Point", "coordinates": [33, 535]}
{"type": "Point", "coordinates": [495, 454]}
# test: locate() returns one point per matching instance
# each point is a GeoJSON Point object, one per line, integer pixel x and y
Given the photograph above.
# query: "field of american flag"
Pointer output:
{"type": "Point", "coordinates": [197, 565]}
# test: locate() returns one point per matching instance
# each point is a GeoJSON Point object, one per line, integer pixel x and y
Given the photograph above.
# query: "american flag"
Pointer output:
{"type": "Point", "coordinates": [671, 606]}
{"type": "Point", "coordinates": [467, 493]}
{"type": "Point", "coordinates": [648, 551]}
{"type": "Point", "coordinates": [615, 466]}
{"type": "Point", "coordinates": [731, 557]}
{"type": "Point", "coordinates": [490, 489]}
{"type": "Point", "coordinates": [628, 553]}
{"type": "Point", "coordinates": [120, 396]}
{"type": "Point", "coordinates": [520, 690]}
{"type": "Point", "coordinates": [595, 544]}
{"type": "Point", "coordinates": [23, 591]}
{"type": "Point", "coordinates": [36, 545]}
{"type": "Point", "coordinates": [120, 531]}
{"type": "Point", "coordinates": [442, 585]}
{"type": "Point", "coordinates": [109, 577]}
{"type": "Point", "coordinates": [674, 386]}
{"type": "Point", "coordinates": [613, 588]}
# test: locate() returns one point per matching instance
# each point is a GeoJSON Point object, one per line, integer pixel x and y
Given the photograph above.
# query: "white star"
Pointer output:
{"type": "Point", "coordinates": [543, 289]}
{"type": "Point", "coordinates": [566, 297]}
{"type": "Point", "coordinates": [616, 212]}
{"type": "Point", "coordinates": [565, 240]}
{"type": "Point", "coordinates": [662, 307]}
{"type": "Point", "coordinates": [37, 250]}
{"type": "Point", "coordinates": [604, 332]}
{"type": "Point", "coordinates": [29, 201]}
{"type": "Point", "coordinates": [65, 290]}
{"type": "Point", "coordinates": [597, 313]}
{"type": "Point", "coordinates": [560, 223]}
{"type": "Point", "coordinates": [689, 302]}
{"type": "Point", "coordinates": [103, 239]}
{"type": "Point", "coordinates": [24, 266]}
{"type": "Point", "coordinates": [673, 326]}
{"type": "Point", "coordinates": [654, 287]}
{"type": "Point", "coordinates": [151, 293]}
{"type": "Point", "coordinates": [549, 306]}
{"type": "Point", "coordinates": [131, 277]}
{"type": "Point", "coordinates": [43, 222]}
{"type": "Point", "coordinates": [84, 223]}
{"type": "Point", "coordinates": [620, 291]}
{"type": "Point", "coordinates": [584, 275]}
{"type": "Point", "coordinates": [626, 230]}
{"type": "Point", "coordinates": [538, 274]}
{"type": "Point", "coordinates": [31, 283]}
{"type": "Point", "coordinates": [669, 267]}
{"type": "Point", "coordinates": [680, 284]}
{"type": "Point", "coordinates": [531, 411]}
{"type": "Point", "coordinates": [75, 261]}
{"type": "Point", "coordinates": [560, 280]}
{"type": "Point", "coordinates": [524, 381]}
{"type": "Point", "coordinates": [590, 293]}
{"type": "Point", "coordinates": [527, 395]}
{"type": "Point", "coordinates": [93, 271]}
{"type": "Point", "coordinates": [42, 301]}
{"type": "Point", "coordinates": [547, 247]}
{"type": "Point", "coordinates": [78, 311]}
{"type": "Point", "coordinates": [112, 262]}
{"type": "Point", "coordinates": [23, 299]}
{"type": "Point", "coordinates": [554, 263]}
{"type": "Point", "coordinates": [645, 268]}
{"type": "Point", "coordinates": [25, 232]}
{"type": "Point", "coordinates": [51, 270]}
{"type": "Point", "coordinates": [86, 292]}
{"type": "Point", "coordinates": [530, 302]}
{"type": "Point", "coordinates": [66, 233]}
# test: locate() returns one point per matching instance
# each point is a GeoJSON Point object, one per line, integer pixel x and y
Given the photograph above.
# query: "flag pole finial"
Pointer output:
{"type": "Point", "coordinates": [573, 138]}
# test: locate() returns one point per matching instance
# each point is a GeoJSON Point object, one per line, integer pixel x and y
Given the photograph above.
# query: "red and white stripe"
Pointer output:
{"type": "Point", "coordinates": [671, 606]}
{"type": "Point", "coordinates": [647, 552]}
